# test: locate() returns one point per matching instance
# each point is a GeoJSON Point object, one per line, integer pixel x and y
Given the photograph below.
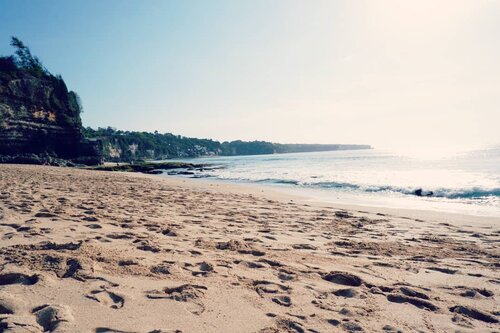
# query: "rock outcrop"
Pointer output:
{"type": "Point", "coordinates": [40, 120]}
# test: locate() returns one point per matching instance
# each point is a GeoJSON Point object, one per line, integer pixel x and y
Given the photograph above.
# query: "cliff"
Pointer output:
{"type": "Point", "coordinates": [40, 119]}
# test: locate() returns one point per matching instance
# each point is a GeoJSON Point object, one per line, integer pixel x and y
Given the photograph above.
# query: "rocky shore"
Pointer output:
{"type": "Point", "coordinates": [151, 167]}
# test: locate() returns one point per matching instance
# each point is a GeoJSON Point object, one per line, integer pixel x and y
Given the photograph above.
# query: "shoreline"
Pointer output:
{"type": "Point", "coordinates": [94, 251]}
{"type": "Point", "coordinates": [460, 184]}
{"type": "Point", "coordinates": [301, 196]}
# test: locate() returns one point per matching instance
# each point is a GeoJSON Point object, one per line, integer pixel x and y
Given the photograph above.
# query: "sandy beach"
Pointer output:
{"type": "Point", "coordinates": [90, 251]}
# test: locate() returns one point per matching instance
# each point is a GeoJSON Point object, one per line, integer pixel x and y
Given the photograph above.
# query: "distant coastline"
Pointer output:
{"type": "Point", "coordinates": [128, 146]}
{"type": "Point", "coordinates": [40, 123]}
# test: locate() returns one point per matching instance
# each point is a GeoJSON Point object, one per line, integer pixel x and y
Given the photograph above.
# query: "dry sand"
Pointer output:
{"type": "Point", "coordinates": [89, 251]}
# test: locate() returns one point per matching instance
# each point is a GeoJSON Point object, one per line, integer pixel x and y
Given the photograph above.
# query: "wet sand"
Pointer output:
{"type": "Point", "coordinates": [90, 251]}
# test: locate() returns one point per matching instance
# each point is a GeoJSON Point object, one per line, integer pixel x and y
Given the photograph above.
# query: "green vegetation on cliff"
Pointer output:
{"type": "Point", "coordinates": [126, 146]}
{"type": "Point", "coordinates": [39, 117]}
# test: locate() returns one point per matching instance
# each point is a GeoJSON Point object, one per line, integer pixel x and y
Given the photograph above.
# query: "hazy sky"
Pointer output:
{"type": "Point", "coordinates": [407, 73]}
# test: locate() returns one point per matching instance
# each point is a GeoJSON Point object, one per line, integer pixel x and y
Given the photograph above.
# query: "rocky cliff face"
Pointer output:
{"type": "Point", "coordinates": [40, 119]}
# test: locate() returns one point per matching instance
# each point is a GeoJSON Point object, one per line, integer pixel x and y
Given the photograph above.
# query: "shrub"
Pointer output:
{"type": "Point", "coordinates": [7, 64]}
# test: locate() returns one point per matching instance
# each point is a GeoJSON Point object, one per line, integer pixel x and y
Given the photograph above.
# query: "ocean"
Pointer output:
{"type": "Point", "coordinates": [462, 182]}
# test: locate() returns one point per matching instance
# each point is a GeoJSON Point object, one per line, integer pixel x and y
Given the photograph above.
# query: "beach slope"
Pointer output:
{"type": "Point", "coordinates": [95, 251]}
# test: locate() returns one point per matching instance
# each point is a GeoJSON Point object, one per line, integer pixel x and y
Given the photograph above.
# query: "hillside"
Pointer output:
{"type": "Point", "coordinates": [126, 146]}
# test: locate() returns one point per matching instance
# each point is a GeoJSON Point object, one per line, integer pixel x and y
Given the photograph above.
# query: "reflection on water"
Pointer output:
{"type": "Point", "coordinates": [455, 180]}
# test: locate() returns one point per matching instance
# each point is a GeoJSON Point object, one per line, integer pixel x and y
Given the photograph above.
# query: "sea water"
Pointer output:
{"type": "Point", "coordinates": [462, 182]}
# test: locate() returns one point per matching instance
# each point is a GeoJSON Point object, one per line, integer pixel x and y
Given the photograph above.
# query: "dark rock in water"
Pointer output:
{"type": "Point", "coordinates": [201, 176]}
{"type": "Point", "coordinates": [155, 172]}
{"type": "Point", "coordinates": [421, 193]}
{"type": "Point", "coordinates": [186, 173]}
{"type": "Point", "coordinates": [40, 120]}
{"type": "Point", "coordinates": [151, 167]}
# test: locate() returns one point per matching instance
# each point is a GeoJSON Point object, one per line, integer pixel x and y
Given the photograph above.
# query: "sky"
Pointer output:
{"type": "Point", "coordinates": [408, 74]}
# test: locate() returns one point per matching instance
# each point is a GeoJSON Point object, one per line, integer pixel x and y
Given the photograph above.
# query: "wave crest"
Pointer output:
{"type": "Point", "coordinates": [450, 193]}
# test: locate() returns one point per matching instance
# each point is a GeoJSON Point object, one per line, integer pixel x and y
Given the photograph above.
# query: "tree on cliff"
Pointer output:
{"type": "Point", "coordinates": [25, 59]}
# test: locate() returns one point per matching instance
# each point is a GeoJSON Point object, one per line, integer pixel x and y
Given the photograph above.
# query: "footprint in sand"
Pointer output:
{"type": "Point", "coordinates": [475, 292]}
{"type": "Point", "coordinates": [187, 293]}
{"type": "Point", "coordinates": [286, 275]}
{"type": "Point", "coordinates": [18, 278]}
{"type": "Point", "coordinates": [352, 326]}
{"type": "Point", "coordinates": [290, 326]}
{"type": "Point", "coordinates": [111, 330]}
{"type": "Point", "coordinates": [14, 323]}
{"type": "Point", "coordinates": [347, 293]}
{"type": "Point", "coordinates": [346, 279]}
{"type": "Point", "coordinates": [7, 306]}
{"type": "Point", "coordinates": [443, 270]}
{"type": "Point", "coordinates": [275, 291]}
{"type": "Point", "coordinates": [161, 269]}
{"type": "Point", "coordinates": [54, 318]}
{"type": "Point", "coordinates": [204, 269]}
{"type": "Point", "coordinates": [45, 214]}
{"type": "Point", "coordinates": [169, 232]}
{"type": "Point", "coordinates": [148, 247]}
{"type": "Point", "coordinates": [413, 293]}
{"type": "Point", "coordinates": [282, 300]}
{"type": "Point", "coordinates": [263, 287]}
{"type": "Point", "coordinates": [473, 313]}
{"type": "Point", "coordinates": [107, 298]}
{"type": "Point", "coordinates": [416, 301]}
